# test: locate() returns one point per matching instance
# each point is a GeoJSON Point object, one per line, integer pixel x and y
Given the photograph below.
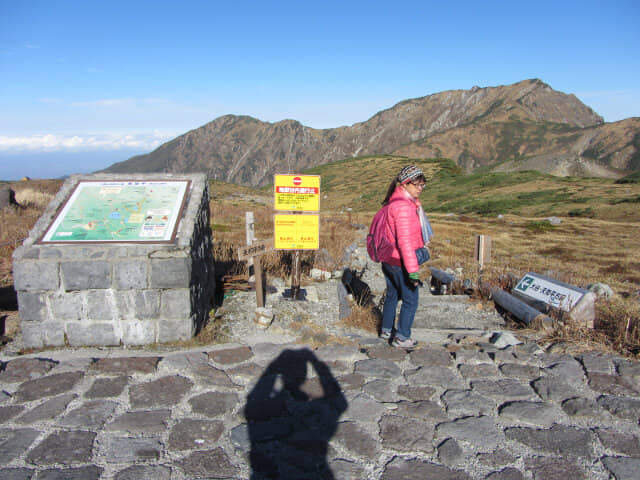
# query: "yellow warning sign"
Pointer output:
{"type": "Point", "coordinates": [297, 192]}
{"type": "Point", "coordinates": [297, 232]}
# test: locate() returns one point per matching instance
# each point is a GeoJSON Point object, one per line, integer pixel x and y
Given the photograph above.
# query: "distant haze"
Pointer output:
{"type": "Point", "coordinates": [14, 166]}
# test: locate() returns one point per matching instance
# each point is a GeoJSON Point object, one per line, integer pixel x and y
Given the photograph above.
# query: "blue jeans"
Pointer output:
{"type": "Point", "coordinates": [398, 288]}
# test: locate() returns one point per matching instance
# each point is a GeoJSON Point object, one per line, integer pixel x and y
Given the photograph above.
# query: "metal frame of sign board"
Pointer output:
{"type": "Point", "coordinates": [302, 177]}
{"type": "Point", "coordinates": [180, 200]}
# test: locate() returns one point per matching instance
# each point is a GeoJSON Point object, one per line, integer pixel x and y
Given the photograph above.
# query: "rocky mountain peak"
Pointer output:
{"type": "Point", "coordinates": [482, 126]}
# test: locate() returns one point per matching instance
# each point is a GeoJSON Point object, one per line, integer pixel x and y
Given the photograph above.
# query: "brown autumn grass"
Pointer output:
{"type": "Point", "coordinates": [580, 251]}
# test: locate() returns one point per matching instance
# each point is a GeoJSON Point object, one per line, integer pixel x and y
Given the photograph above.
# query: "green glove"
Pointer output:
{"type": "Point", "coordinates": [414, 276]}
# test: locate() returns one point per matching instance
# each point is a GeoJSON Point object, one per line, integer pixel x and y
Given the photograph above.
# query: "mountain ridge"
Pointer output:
{"type": "Point", "coordinates": [526, 125]}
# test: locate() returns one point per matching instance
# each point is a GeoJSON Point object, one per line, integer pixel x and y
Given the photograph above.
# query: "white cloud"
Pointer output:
{"type": "Point", "coordinates": [92, 142]}
{"type": "Point", "coordinates": [107, 102]}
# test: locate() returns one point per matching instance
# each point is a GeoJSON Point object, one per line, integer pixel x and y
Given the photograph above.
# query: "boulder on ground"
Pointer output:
{"type": "Point", "coordinates": [602, 290]}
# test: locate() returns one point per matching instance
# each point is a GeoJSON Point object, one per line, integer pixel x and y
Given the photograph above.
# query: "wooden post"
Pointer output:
{"type": "Point", "coordinates": [482, 253]}
{"type": "Point", "coordinates": [259, 287]}
{"type": "Point", "coordinates": [250, 231]}
{"type": "Point", "coordinates": [295, 275]}
{"type": "Point", "coordinates": [253, 252]}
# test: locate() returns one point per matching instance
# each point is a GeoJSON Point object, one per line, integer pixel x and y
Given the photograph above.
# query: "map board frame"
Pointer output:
{"type": "Point", "coordinates": [177, 205]}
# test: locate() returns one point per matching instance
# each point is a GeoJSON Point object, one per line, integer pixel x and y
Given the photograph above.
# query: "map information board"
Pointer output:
{"type": "Point", "coordinates": [120, 211]}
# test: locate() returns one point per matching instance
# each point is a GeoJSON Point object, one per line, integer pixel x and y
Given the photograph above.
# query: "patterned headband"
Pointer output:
{"type": "Point", "coordinates": [408, 173]}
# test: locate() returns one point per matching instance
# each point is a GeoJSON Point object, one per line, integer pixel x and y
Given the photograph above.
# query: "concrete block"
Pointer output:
{"type": "Point", "coordinates": [85, 275]}
{"type": "Point", "coordinates": [147, 304]}
{"type": "Point", "coordinates": [176, 303]}
{"type": "Point", "coordinates": [50, 253]}
{"type": "Point", "coordinates": [32, 334]}
{"type": "Point", "coordinates": [90, 333]}
{"type": "Point", "coordinates": [36, 275]}
{"type": "Point", "coordinates": [125, 304]}
{"type": "Point", "coordinates": [23, 252]}
{"type": "Point", "coordinates": [100, 305]}
{"type": "Point", "coordinates": [174, 330]}
{"type": "Point", "coordinates": [136, 332]}
{"type": "Point", "coordinates": [67, 306]}
{"type": "Point", "coordinates": [32, 306]}
{"type": "Point", "coordinates": [54, 333]}
{"type": "Point", "coordinates": [170, 273]}
{"type": "Point", "coordinates": [131, 274]}
{"type": "Point", "coordinates": [38, 335]}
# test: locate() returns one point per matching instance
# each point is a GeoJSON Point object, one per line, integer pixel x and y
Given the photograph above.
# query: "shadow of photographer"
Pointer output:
{"type": "Point", "coordinates": [291, 417]}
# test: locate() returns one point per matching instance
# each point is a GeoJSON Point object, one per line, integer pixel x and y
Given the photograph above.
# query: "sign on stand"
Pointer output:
{"type": "Point", "coordinates": [258, 247]}
{"type": "Point", "coordinates": [297, 193]}
{"type": "Point", "coordinates": [253, 252]}
{"type": "Point", "coordinates": [296, 231]}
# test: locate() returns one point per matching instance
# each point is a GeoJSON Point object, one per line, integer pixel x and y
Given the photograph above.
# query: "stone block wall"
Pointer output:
{"type": "Point", "coordinates": [117, 293]}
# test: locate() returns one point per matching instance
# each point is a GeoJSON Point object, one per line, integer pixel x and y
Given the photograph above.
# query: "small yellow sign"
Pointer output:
{"type": "Point", "coordinates": [297, 192]}
{"type": "Point", "coordinates": [297, 232]}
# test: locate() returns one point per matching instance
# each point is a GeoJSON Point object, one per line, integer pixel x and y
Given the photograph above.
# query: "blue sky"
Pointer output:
{"type": "Point", "coordinates": [84, 84]}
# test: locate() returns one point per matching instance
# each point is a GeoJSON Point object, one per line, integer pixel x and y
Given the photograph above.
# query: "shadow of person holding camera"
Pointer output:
{"type": "Point", "coordinates": [292, 414]}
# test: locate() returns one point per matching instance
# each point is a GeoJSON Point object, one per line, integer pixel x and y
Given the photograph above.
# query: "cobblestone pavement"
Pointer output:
{"type": "Point", "coordinates": [359, 409]}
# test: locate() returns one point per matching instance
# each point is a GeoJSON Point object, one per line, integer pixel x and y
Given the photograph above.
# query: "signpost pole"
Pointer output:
{"type": "Point", "coordinates": [482, 253]}
{"type": "Point", "coordinates": [253, 253]}
{"type": "Point", "coordinates": [295, 275]}
{"type": "Point", "coordinates": [250, 231]}
{"type": "Point", "coordinates": [259, 287]}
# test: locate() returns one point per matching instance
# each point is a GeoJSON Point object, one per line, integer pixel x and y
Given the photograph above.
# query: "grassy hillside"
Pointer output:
{"type": "Point", "coordinates": [361, 183]}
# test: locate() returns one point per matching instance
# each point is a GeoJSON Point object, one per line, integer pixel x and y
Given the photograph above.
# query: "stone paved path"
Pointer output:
{"type": "Point", "coordinates": [307, 399]}
{"type": "Point", "coordinates": [359, 410]}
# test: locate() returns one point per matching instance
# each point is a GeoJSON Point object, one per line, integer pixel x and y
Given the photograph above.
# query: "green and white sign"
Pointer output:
{"type": "Point", "coordinates": [120, 211]}
{"type": "Point", "coordinates": [552, 292]}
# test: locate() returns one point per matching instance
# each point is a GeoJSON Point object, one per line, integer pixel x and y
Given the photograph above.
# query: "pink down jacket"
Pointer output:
{"type": "Point", "coordinates": [404, 224]}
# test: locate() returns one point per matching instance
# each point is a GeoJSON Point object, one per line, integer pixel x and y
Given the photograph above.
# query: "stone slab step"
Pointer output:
{"type": "Point", "coordinates": [454, 312]}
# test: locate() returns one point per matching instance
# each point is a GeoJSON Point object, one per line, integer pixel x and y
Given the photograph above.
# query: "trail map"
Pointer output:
{"type": "Point", "coordinates": [120, 211]}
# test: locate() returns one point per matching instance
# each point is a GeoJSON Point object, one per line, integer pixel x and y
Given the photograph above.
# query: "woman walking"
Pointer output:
{"type": "Point", "coordinates": [411, 231]}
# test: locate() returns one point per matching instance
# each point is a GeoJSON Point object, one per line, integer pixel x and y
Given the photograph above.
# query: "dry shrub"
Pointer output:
{"type": "Point", "coordinates": [336, 234]}
{"type": "Point", "coordinates": [619, 318]}
{"type": "Point", "coordinates": [31, 198]}
{"type": "Point", "coordinates": [365, 317]}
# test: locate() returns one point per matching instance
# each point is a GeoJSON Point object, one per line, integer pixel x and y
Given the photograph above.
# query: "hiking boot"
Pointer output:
{"type": "Point", "coordinates": [385, 335]}
{"type": "Point", "coordinates": [408, 343]}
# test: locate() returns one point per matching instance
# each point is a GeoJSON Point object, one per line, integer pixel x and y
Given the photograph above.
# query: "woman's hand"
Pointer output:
{"type": "Point", "coordinates": [414, 279]}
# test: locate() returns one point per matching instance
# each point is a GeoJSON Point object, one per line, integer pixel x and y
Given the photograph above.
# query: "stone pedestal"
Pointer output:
{"type": "Point", "coordinates": [117, 293]}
